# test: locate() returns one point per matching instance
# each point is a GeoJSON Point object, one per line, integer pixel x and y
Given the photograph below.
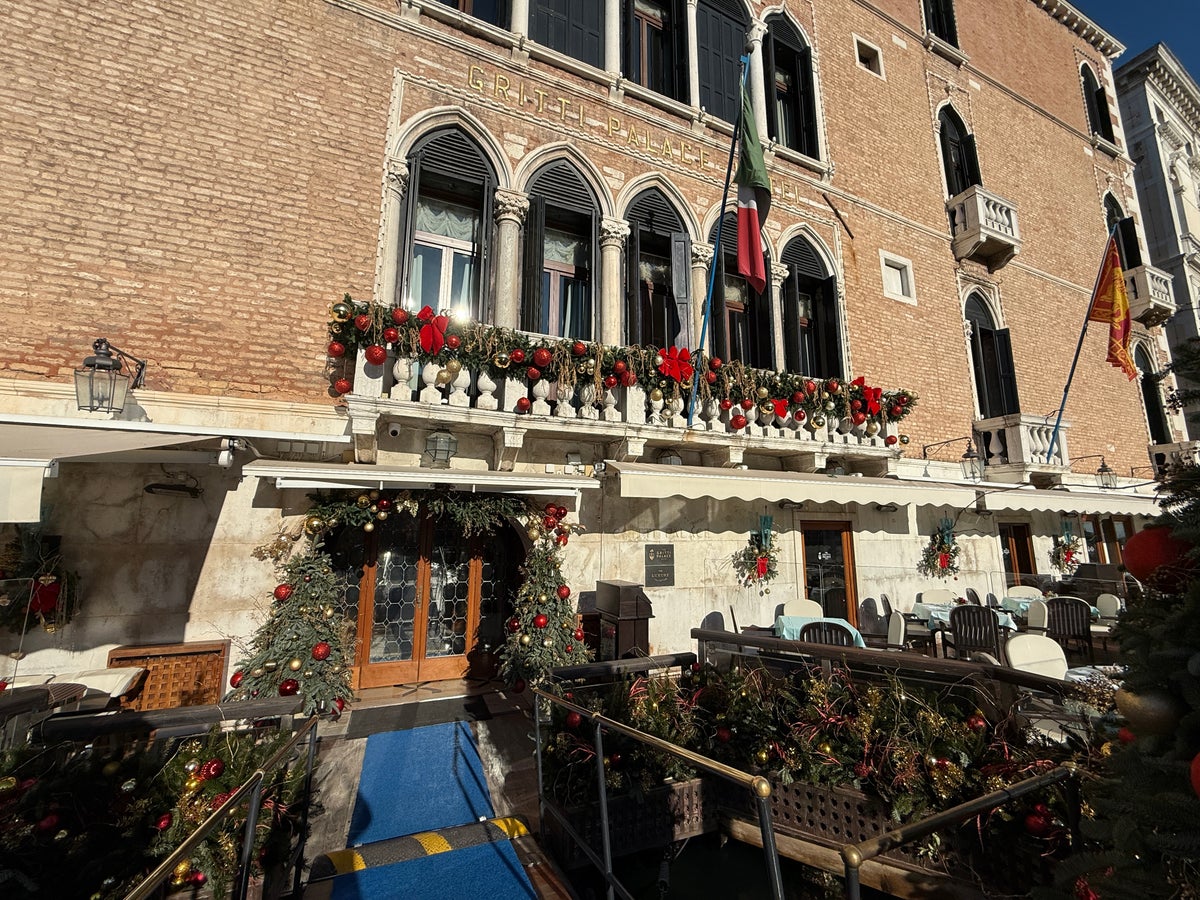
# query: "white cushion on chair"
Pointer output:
{"type": "Point", "coordinates": [808, 608]}
{"type": "Point", "coordinates": [103, 685]}
{"type": "Point", "coordinates": [1036, 654]}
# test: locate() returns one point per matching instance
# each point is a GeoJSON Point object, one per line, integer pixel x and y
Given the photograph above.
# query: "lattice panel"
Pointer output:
{"type": "Point", "coordinates": [176, 674]}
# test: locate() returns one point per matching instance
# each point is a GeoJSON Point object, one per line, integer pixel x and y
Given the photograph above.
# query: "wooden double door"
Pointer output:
{"type": "Point", "coordinates": [430, 602]}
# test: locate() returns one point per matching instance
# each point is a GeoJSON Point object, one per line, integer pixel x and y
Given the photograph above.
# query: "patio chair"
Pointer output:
{"type": "Point", "coordinates": [826, 633]}
{"type": "Point", "coordinates": [1069, 621]}
{"type": "Point", "coordinates": [808, 608]}
{"type": "Point", "coordinates": [901, 635]}
{"type": "Point", "coordinates": [1025, 591]}
{"type": "Point", "coordinates": [973, 597]}
{"type": "Point", "coordinates": [1110, 610]}
{"type": "Point", "coordinates": [1037, 654]}
{"type": "Point", "coordinates": [871, 624]}
{"type": "Point", "coordinates": [992, 601]}
{"type": "Point", "coordinates": [885, 605]}
{"type": "Point", "coordinates": [972, 628]}
{"type": "Point", "coordinates": [1036, 616]}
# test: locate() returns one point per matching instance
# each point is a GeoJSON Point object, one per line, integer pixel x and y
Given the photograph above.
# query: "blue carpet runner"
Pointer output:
{"type": "Point", "coordinates": [482, 872]}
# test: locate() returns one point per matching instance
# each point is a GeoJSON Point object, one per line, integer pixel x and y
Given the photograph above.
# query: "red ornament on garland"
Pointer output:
{"type": "Point", "coordinates": [362, 321]}
{"type": "Point", "coordinates": [610, 381]}
{"type": "Point", "coordinates": [579, 635]}
{"type": "Point", "coordinates": [514, 625]}
{"type": "Point", "coordinates": [977, 723]}
{"type": "Point", "coordinates": [574, 720]}
{"type": "Point", "coordinates": [560, 511]}
{"type": "Point", "coordinates": [400, 316]}
{"type": "Point", "coordinates": [321, 650]}
{"type": "Point", "coordinates": [391, 334]}
{"type": "Point", "coordinates": [540, 620]}
{"type": "Point", "coordinates": [579, 348]}
{"type": "Point", "coordinates": [216, 767]}
{"type": "Point", "coordinates": [339, 703]}
{"type": "Point", "coordinates": [283, 592]}
{"type": "Point", "coordinates": [45, 598]}
{"type": "Point", "coordinates": [453, 341]}
{"type": "Point", "coordinates": [738, 422]}
{"type": "Point", "coordinates": [384, 503]}
{"type": "Point", "coordinates": [1037, 824]}
{"type": "Point", "coordinates": [199, 878]}
{"type": "Point", "coordinates": [551, 509]}
{"type": "Point", "coordinates": [235, 679]}
{"type": "Point", "coordinates": [810, 387]}
{"type": "Point", "coordinates": [619, 367]}
{"type": "Point", "coordinates": [517, 355]}
{"type": "Point", "coordinates": [832, 385]}
{"type": "Point", "coordinates": [376, 355]}
{"type": "Point", "coordinates": [524, 404]}
{"type": "Point", "coordinates": [533, 373]}
{"type": "Point", "coordinates": [1159, 559]}
{"type": "Point", "coordinates": [710, 376]}
{"type": "Point", "coordinates": [564, 591]}
{"type": "Point", "coordinates": [714, 363]}
{"type": "Point", "coordinates": [343, 386]}
{"type": "Point", "coordinates": [336, 349]}
{"type": "Point", "coordinates": [726, 404]}
{"type": "Point", "coordinates": [724, 735]}
{"type": "Point", "coordinates": [629, 379]}
{"type": "Point", "coordinates": [164, 821]}
{"type": "Point", "coordinates": [890, 440]}
{"type": "Point", "coordinates": [859, 418]}
{"type": "Point", "coordinates": [288, 687]}
{"type": "Point", "coordinates": [747, 404]}
{"type": "Point", "coordinates": [542, 357]}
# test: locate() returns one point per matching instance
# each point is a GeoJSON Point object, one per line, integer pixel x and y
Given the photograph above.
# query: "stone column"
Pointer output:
{"type": "Point", "coordinates": [510, 210]}
{"type": "Point", "coordinates": [613, 233]}
{"type": "Point", "coordinates": [758, 94]}
{"type": "Point", "coordinates": [702, 259]}
{"type": "Point", "coordinates": [778, 274]}
{"type": "Point", "coordinates": [693, 45]}
{"type": "Point", "coordinates": [388, 271]}
{"type": "Point", "coordinates": [612, 36]}
{"type": "Point", "coordinates": [520, 18]}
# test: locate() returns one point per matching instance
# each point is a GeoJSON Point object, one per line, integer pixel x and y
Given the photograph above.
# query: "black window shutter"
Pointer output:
{"type": "Point", "coordinates": [1127, 242]}
{"type": "Point", "coordinates": [407, 228]}
{"type": "Point", "coordinates": [679, 65]}
{"type": "Point", "coordinates": [806, 105]}
{"type": "Point", "coordinates": [1103, 118]}
{"type": "Point", "coordinates": [971, 161]}
{"type": "Point", "coordinates": [720, 334]}
{"type": "Point", "coordinates": [634, 326]}
{"type": "Point", "coordinates": [628, 24]}
{"type": "Point", "coordinates": [681, 258]}
{"type": "Point", "coordinates": [763, 324]}
{"type": "Point", "coordinates": [790, 301]}
{"type": "Point", "coordinates": [1006, 372]}
{"type": "Point", "coordinates": [769, 80]}
{"type": "Point", "coordinates": [533, 258]}
{"type": "Point", "coordinates": [983, 346]}
{"type": "Point", "coordinates": [586, 35]}
{"type": "Point", "coordinates": [829, 355]}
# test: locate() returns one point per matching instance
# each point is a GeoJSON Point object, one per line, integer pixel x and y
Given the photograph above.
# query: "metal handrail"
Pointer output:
{"type": "Point", "coordinates": [854, 855]}
{"type": "Point", "coordinates": [252, 786]}
{"type": "Point", "coordinates": [759, 785]}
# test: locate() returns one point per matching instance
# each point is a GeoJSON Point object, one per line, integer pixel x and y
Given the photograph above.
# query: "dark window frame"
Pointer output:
{"type": "Point", "coordinates": [721, 27]}
{"type": "Point", "coordinates": [960, 157]}
{"type": "Point", "coordinates": [494, 12]}
{"type": "Point", "coordinates": [789, 57]}
{"type": "Point", "coordinates": [939, 20]}
{"type": "Point", "coordinates": [992, 361]}
{"type": "Point", "coordinates": [1096, 101]}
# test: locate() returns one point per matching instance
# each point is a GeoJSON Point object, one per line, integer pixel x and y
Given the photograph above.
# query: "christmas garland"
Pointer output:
{"type": "Point", "coordinates": [36, 588]}
{"type": "Point", "coordinates": [1065, 555]}
{"type": "Point", "coordinates": [939, 559]}
{"type": "Point", "coordinates": [758, 562]}
{"type": "Point", "coordinates": [667, 373]}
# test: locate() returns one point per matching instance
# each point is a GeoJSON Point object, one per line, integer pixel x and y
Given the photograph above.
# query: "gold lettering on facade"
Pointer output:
{"type": "Point", "coordinates": [614, 126]}
{"type": "Point", "coordinates": [502, 85]}
{"type": "Point", "coordinates": [475, 78]}
{"type": "Point", "coordinates": [541, 99]}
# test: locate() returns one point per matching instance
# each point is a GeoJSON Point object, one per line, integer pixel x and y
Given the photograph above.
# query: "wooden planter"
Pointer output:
{"type": "Point", "coordinates": [654, 819]}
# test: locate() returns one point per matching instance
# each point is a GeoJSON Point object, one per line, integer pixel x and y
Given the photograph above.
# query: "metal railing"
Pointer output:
{"type": "Point", "coordinates": [756, 784]}
{"type": "Point", "coordinates": [253, 787]}
{"type": "Point", "coordinates": [854, 855]}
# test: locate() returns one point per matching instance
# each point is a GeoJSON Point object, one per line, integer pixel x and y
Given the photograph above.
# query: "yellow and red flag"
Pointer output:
{"type": "Point", "coordinates": [1110, 303]}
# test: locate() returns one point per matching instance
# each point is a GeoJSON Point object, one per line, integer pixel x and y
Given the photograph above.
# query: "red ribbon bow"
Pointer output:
{"type": "Point", "coordinates": [781, 408]}
{"type": "Point", "coordinates": [433, 332]}
{"type": "Point", "coordinates": [677, 364]}
{"type": "Point", "coordinates": [871, 395]}
{"type": "Point", "coordinates": [763, 564]}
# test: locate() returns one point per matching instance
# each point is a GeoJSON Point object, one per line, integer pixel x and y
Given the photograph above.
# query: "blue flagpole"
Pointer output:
{"type": "Point", "coordinates": [712, 275]}
{"type": "Point", "coordinates": [1079, 346]}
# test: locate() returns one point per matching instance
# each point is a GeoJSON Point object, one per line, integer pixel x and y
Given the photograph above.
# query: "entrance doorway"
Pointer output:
{"type": "Point", "coordinates": [435, 602]}
{"type": "Point", "coordinates": [1016, 546]}
{"type": "Point", "coordinates": [829, 567]}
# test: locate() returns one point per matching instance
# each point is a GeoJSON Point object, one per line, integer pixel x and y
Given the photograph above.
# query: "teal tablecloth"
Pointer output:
{"type": "Point", "coordinates": [788, 627]}
{"type": "Point", "coordinates": [938, 615]}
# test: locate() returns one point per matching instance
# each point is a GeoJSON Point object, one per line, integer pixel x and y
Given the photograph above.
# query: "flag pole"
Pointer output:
{"type": "Point", "coordinates": [1079, 345]}
{"type": "Point", "coordinates": [712, 275]}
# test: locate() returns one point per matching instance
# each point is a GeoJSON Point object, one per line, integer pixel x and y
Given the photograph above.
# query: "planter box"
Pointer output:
{"type": "Point", "coordinates": [654, 819]}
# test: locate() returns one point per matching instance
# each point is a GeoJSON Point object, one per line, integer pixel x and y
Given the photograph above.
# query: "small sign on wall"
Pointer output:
{"type": "Point", "coordinates": [660, 565]}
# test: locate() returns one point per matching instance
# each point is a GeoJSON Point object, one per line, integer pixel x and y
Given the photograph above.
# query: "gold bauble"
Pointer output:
{"type": "Point", "coordinates": [369, 526]}
{"type": "Point", "coordinates": [374, 509]}
{"type": "Point", "coordinates": [767, 409]}
{"type": "Point", "coordinates": [328, 612]}
{"type": "Point", "coordinates": [314, 525]}
{"type": "Point", "coordinates": [763, 393]}
{"type": "Point", "coordinates": [525, 640]}
{"type": "Point", "coordinates": [192, 783]}
{"type": "Point", "coordinates": [8, 784]}
{"type": "Point", "coordinates": [256, 673]}
{"type": "Point", "coordinates": [308, 673]}
{"type": "Point", "coordinates": [183, 869]}
{"type": "Point", "coordinates": [546, 642]}
{"type": "Point", "coordinates": [542, 598]}
{"type": "Point", "coordinates": [270, 665]}
{"type": "Point", "coordinates": [381, 515]}
{"type": "Point", "coordinates": [295, 665]}
{"type": "Point", "coordinates": [826, 749]}
{"type": "Point", "coordinates": [533, 533]}
{"type": "Point", "coordinates": [191, 766]}
{"type": "Point", "coordinates": [453, 366]}
{"type": "Point", "coordinates": [904, 439]}
{"type": "Point", "coordinates": [1154, 712]}
{"type": "Point", "coordinates": [818, 421]}
{"type": "Point", "coordinates": [362, 501]}
{"type": "Point", "coordinates": [374, 495]}
{"type": "Point", "coordinates": [656, 395]}
{"type": "Point", "coordinates": [443, 377]}
{"type": "Point", "coordinates": [762, 756]}
{"type": "Point", "coordinates": [341, 312]}
{"type": "Point", "coordinates": [501, 360]}
{"type": "Point", "coordinates": [872, 429]}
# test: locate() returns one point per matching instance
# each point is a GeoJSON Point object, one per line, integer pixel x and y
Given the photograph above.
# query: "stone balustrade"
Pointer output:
{"type": "Point", "coordinates": [1020, 442]}
{"type": "Point", "coordinates": [1151, 297]}
{"type": "Point", "coordinates": [984, 227]}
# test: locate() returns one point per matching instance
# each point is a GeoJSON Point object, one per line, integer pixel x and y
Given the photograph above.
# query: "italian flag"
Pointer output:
{"type": "Point", "coordinates": [753, 199]}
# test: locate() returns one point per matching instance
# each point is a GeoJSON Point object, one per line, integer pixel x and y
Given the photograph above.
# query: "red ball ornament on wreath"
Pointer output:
{"type": "Point", "coordinates": [164, 821]}
{"type": "Point", "coordinates": [714, 363]}
{"type": "Point", "coordinates": [890, 440]}
{"type": "Point", "coordinates": [1037, 824]}
{"type": "Point", "coordinates": [400, 316]}
{"type": "Point", "coordinates": [1158, 558]}
{"type": "Point", "coordinates": [517, 355]}
{"type": "Point", "coordinates": [574, 720]}
{"type": "Point", "coordinates": [610, 381]}
{"type": "Point", "coordinates": [628, 378]}
{"type": "Point", "coordinates": [832, 385]}
{"type": "Point", "coordinates": [288, 687]}
{"type": "Point", "coordinates": [336, 349]}
{"type": "Point", "coordinates": [859, 418]}
{"type": "Point", "coordinates": [514, 625]}
{"type": "Point", "coordinates": [283, 592]}
{"type": "Point", "coordinates": [977, 723]}
{"type": "Point", "coordinates": [540, 620]}
{"type": "Point", "coordinates": [321, 651]}
{"type": "Point", "coordinates": [342, 386]}
{"type": "Point", "coordinates": [550, 522]}
{"type": "Point", "coordinates": [533, 373]}
{"type": "Point", "coordinates": [551, 509]}
{"type": "Point", "coordinates": [579, 635]}
{"type": "Point", "coordinates": [564, 591]}
{"type": "Point", "coordinates": [216, 767]}
{"type": "Point", "coordinates": [339, 703]}
{"type": "Point", "coordinates": [724, 735]}
{"type": "Point", "coordinates": [453, 341]}
{"type": "Point", "coordinates": [896, 411]}
{"type": "Point", "coordinates": [560, 511]}
{"type": "Point", "coordinates": [524, 404]}
{"type": "Point", "coordinates": [376, 355]}
{"type": "Point", "coordinates": [542, 357]}
{"type": "Point", "coordinates": [619, 367]}
{"type": "Point", "coordinates": [747, 404]}
{"type": "Point", "coordinates": [797, 397]}
{"type": "Point", "coordinates": [738, 422]}
{"type": "Point", "coordinates": [391, 334]}
{"type": "Point", "coordinates": [710, 376]}
{"type": "Point", "coordinates": [384, 503]}
{"type": "Point", "coordinates": [235, 680]}
{"type": "Point", "coordinates": [362, 321]}
{"type": "Point", "coordinates": [579, 348]}
{"type": "Point", "coordinates": [726, 404]}
{"type": "Point", "coordinates": [810, 387]}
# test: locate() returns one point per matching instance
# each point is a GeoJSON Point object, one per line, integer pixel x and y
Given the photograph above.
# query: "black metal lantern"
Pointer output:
{"type": "Point", "coordinates": [100, 383]}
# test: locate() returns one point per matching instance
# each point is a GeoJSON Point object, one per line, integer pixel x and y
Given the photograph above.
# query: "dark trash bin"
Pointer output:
{"type": "Point", "coordinates": [625, 615]}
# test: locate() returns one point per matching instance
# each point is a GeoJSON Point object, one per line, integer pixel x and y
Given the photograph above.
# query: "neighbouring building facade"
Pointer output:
{"type": "Point", "coordinates": [199, 183]}
{"type": "Point", "coordinates": [1160, 106]}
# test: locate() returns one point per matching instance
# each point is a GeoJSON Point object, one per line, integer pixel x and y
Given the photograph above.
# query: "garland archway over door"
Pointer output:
{"type": "Point", "coordinates": [429, 605]}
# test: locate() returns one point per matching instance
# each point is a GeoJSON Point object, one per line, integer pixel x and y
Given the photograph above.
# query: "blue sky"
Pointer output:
{"type": "Point", "coordinates": [1139, 24]}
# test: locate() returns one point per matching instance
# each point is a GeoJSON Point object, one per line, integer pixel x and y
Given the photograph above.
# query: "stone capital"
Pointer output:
{"type": "Point", "coordinates": [397, 175]}
{"type": "Point", "coordinates": [511, 205]}
{"type": "Point", "coordinates": [779, 274]}
{"type": "Point", "coordinates": [754, 37]}
{"type": "Point", "coordinates": [702, 256]}
{"type": "Point", "coordinates": [613, 232]}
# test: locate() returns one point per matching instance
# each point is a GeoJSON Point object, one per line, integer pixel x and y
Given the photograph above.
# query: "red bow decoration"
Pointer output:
{"type": "Point", "coordinates": [871, 395]}
{"type": "Point", "coordinates": [781, 408]}
{"type": "Point", "coordinates": [677, 364]}
{"type": "Point", "coordinates": [45, 598]}
{"type": "Point", "coordinates": [943, 560]}
{"type": "Point", "coordinates": [433, 332]}
{"type": "Point", "coordinates": [763, 563]}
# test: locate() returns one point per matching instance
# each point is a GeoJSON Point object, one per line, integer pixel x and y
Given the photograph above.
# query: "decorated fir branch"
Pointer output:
{"type": "Point", "coordinates": [939, 559]}
{"type": "Point", "coordinates": [1066, 554]}
{"type": "Point", "coordinates": [757, 564]}
{"type": "Point", "coordinates": [36, 587]}
{"type": "Point", "coordinates": [666, 373]}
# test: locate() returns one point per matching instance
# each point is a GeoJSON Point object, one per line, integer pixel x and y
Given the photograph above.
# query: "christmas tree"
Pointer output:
{"type": "Point", "coordinates": [1147, 824]}
{"type": "Point", "coordinates": [543, 632]}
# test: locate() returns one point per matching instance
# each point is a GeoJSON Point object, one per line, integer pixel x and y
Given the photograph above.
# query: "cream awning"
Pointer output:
{"type": "Point", "coordinates": [656, 481]}
{"type": "Point", "coordinates": [1110, 503]}
{"type": "Point", "coordinates": [328, 476]}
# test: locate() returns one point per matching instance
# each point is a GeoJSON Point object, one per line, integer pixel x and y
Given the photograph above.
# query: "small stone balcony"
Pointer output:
{"type": "Point", "coordinates": [1151, 298]}
{"type": "Point", "coordinates": [1165, 457]}
{"type": "Point", "coordinates": [1014, 448]}
{"type": "Point", "coordinates": [984, 227]}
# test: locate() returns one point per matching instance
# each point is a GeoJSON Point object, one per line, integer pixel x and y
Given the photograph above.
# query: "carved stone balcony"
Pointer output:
{"type": "Point", "coordinates": [1151, 298]}
{"type": "Point", "coordinates": [1014, 448]}
{"type": "Point", "coordinates": [984, 227]}
{"type": "Point", "coordinates": [1170, 456]}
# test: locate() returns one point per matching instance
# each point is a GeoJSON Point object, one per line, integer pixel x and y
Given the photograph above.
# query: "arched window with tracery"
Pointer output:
{"type": "Point", "coordinates": [811, 336]}
{"type": "Point", "coordinates": [658, 269]}
{"type": "Point", "coordinates": [992, 361]}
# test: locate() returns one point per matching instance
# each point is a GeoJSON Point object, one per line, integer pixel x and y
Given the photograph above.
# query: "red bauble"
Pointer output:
{"type": "Point", "coordinates": [514, 624]}
{"type": "Point", "coordinates": [540, 620]}
{"type": "Point", "coordinates": [217, 800]}
{"type": "Point", "coordinates": [288, 687]}
{"type": "Point", "coordinates": [45, 598]}
{"type": "Point", "coordinates": [797, 397]}
{"type": "Point", "coordinates": [738, 422]}
{"type": "Point", "coordinates": [339, 703]}
{"type": "Point", "coordinates": [376, 355]}
{"type": "Point", "coordinates": [1125, 735]}
{"type": "Point", "coordinates": [619, 367]}
{"type": "Point", "coordinates": [336, 349]}
{"type": "Point", "coordinates": [697, 668]}
{"type": "Point", "coordinates": [859, 418]}
{"type": "Point", "coordinates": [610, 381]}
{"type": "Point", "coordinates": [524, 404]}
{"type": "Point", "coordinates": [714, 363]}
{"type": "Point", "coordinates": [629, 379]}
{"type": "Point", "coordinates": [199, 878]}
{"type": "Point", "coordinates": [519, 685]}
{"type": "Point", "coordinates": [726, 403]}
{"type": "Point", "coordinates": [574, 719]}
{"type": "Point", "coordinates": [977, 723]}
{"type": "Point", "coordinates": [321, 650]}
{"type": "Point", "coordinates": [216, 767]}
{"type": "Point", "coordinates": [384, 503]}
{"type": "Point", "coordinates": [747, 404]}
{"type": "Point", "coordinates": [343, 386]}
{"type": "Point", "coordinates": [896, 411]}
{"type": "Point", "coordinates": [235, 679]}
{"type": "Point", "coordinates": [710, 376]}
{"type": "Point", "coordinates": [533, 373]}
{"type": "Point", "coordinates": [362, 321]}
{"type": "Point", "coordinates": [799, 415]}
{"type": "Point", "coordinates": [453, 341]}
{"type": "Point", "coordinates": [391, 335]}
{"type": "Point", "coordinates": [164, 821]}
{"type": "Point", "coordinates": [832, 385]}
{"type": "Point", "coordinates": [856, 405]}
{"type": "Point", "coordinates": [564, 592]}
{"type": "Point", "coordinates": [560, 511]}
{"type": "Point", "coordinates": [570, 647]}
{"type": "Point", "coordinates": [724, 735]}
{"type": "Point", "coordinates": [517, 355]}
{"type": "Point", "coordinates": [542, 357]}
{"type": "Point", "coordinates": [579, 348]}
{"type": "Point", "coordinates": [810, 387]}
{"type": "Point", "coordinates": [902, 399]}
{"type": "Point", "coordinates": [283, 592]}
{"type": "Point", "coordinates": [890, 440]}
{"type": "Point", "coordinates": [579, 635]}
{"type": "Point", "coordinates": [1037, 824]}
{"type": "Point", "coordinates": [1155, 556]}
{"type": "Point", "coordinates": [400, 316]}
{"type": "Point", "coordinates": [551, 509]}
{"type": "Point", "coordinates": [1195, 774]}
{"type": "Point", "coordinates": [550, 522]}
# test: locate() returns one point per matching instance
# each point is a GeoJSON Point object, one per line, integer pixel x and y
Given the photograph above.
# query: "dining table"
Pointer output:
{"type": "Point", "coordinates": [1020, 606]}
{"type": "Point", "coordinates": [788, 627]}
{"type": "Point", "coordinates": [937, 615]}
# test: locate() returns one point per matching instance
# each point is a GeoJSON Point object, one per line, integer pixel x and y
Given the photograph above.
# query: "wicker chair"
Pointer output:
{"type": "Point", "coordinates": [1069, 621]}
{"type": "Point", "coordinates": [973, 628]}
{"type": "Point", "coordinates": [826, 633]}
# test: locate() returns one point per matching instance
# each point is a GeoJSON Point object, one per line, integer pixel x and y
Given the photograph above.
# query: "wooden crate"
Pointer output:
{"type": "Point", "coordinates": [176, 674]}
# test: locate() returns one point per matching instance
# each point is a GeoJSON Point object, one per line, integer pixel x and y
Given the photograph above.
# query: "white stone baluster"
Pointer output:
{"type": "Point", "coordinates": [587, 399]}
{"type": "Point", "coordinates": [402, 371]}
{"type": "Point", "coordinates": [541, 390]}
{"type": "Point", "coordinates": [609, 399]}
{"type": "Point", "coordinates": [458, 394]}
{"type": "Point", "coordinates": [656, 408]}
{"type": "Point", "coordinates": [677, 410]}
{"type": "Point", "coordinates": [487, 386]}
{"type": "Point", "coordinates": [432, 391]}
{"type": "Point", "coordinates": [564, 393]}
{"type": "Point", "coordinates": [632, 404]}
